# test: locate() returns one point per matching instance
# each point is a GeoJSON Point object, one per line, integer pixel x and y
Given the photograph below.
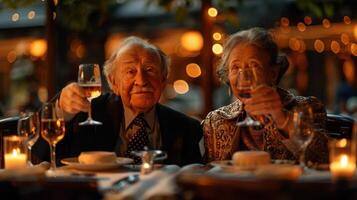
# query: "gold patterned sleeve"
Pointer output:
{"type": "Point", "coordinates": [208, 138]}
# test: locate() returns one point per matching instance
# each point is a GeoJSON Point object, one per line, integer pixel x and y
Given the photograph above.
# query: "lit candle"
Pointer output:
{"type": "Point", "coordinates": [146, 168]}
{"type": "Point", "coordinates": [343, 167]}
{"type": "Point", "coordinates": [15, 160]}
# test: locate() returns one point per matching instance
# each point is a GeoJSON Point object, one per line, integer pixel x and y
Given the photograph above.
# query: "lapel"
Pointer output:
{"type": "Point", "coordinates": [167, 127]}
{"type": "Point", "coordinates": [112, 115]}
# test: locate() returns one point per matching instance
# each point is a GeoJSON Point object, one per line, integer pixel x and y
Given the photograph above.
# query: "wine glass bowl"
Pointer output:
{"type": "Point", "coordinates": [246, 82]}
{"type": "Point", "coordinates": [303, 130]}
{"type": "Point", "coordinates": [90, 81]}
{"type": "Point", "coordinates": [52, 128]}
{"type": "Point", "coordinates": [28, 126]}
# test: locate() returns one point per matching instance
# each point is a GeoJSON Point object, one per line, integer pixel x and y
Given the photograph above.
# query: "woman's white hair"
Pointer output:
{"type": "Point", "coordinates": [110, 64]}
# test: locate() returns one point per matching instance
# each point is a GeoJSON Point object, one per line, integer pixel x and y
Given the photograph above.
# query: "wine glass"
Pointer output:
{"type": "Point", "coordinates": [29, 127]}
{"type": "Point", "coordinates": [52, 128]}
{"type": "Point", "coordinates": [89, 79]}
{"type": "Point", "coordinates": [246, 82]}
{"type": "Point", "coordinates": [303, 130]}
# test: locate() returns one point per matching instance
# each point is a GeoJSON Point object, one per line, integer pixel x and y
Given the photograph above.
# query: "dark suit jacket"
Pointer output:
{"type": "Point", "coordinates": [180, 134]}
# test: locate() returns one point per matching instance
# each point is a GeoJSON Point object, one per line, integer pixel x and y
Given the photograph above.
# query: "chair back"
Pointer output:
{"type": "Point", "coordinates": [339, 126]}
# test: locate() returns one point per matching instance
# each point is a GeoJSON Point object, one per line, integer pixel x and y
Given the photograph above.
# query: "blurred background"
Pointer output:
{"type": "Point", "coordinates": [42, 42]}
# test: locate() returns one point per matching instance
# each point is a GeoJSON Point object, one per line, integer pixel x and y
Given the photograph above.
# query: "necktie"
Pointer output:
{"type": "Point", "coordinates": [138, 137]}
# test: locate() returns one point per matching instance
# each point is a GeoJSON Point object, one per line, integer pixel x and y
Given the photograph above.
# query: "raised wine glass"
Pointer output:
{"type": "Point", "coordinates": [29, 127]}
{"type": "Point", "coordinates": [246, 82]}
{"type": "Point", "coordinates": [303, 130]}
{"type": "Point", "coordinates": [52, 128]}
{"type": "Point", "coordinates": [89, 79]}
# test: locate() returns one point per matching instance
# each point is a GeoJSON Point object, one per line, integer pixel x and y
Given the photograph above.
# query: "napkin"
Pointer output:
{"type": "Point", "coordinates": [36, 170]}
{"type": "Point", "coordinates": [158, 183]}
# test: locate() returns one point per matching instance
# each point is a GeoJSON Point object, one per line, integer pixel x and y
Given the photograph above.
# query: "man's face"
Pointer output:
{"type": "Point", "coordinates": [138, 78]}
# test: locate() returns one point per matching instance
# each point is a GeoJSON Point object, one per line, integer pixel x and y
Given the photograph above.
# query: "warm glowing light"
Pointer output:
{"type": "Point", "coordinates": [347, 20]}
{"type": "Point", "coordinates": [217, 49]}
{"type": "Point", "coordinates": [349, 71]}
{"type": "Point", "coordinates": [212, 12]}
{"type": "Point", "coordinates": [354, 49]}
{"type": "Point", "coordinates": [54, 15]}
{"type": "Point", "coordinates": [294, 44]}
{"type": "Point", "coordinates": [11, 56]}
{"type": "Point", "coordinates": [193, 70]}
{"type": "Point", "coordinates": [192, 41]}
{"type": "Point", "coordinates": [335, 47]}
{"type": "Point", "coordinates": [55, 2]}
{"type": "Point", "coordinates": [345, 39]}
{"type": "Point", "coordinates": [326, 23]}
{"type": "Point", "coordinates": [319, 46]}
{"type": "Point", "coordinates": [342, 143]}
{"type": "Point", "coordinates": [31, 14]}
{"type": "Point", "coordinates": [38, 47]}
{"type": "Point", "coordinates": [181, 87]}
{"type": "Point", "coordinates": [217, 36]}
{"type": "Point", "coordinates": [16, 152]}
{"type": "Point", "coordinates": [307, 20]}
{"type": "Point", "coordinates": [284, 21]}
{"type": "Point", "coordinates": [15, 17]}
{"type": "Point", "coordinates": [344, 160]}
{"type": "Point", "coordinates": [301, 27]}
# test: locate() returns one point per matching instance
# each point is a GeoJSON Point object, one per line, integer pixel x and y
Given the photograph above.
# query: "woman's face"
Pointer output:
{"type": "Point", "coordinates": [249, 55]}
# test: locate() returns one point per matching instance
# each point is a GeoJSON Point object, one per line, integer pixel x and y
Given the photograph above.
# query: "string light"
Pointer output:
{"type": "Point", "coordinates": [335, 47]}
{"type": "Point", "coordinates": [217, 36]}
{"type": "Point", "coordinates": [217, 49]}
{"type": "Point", "coordinates": [319, 46]}
{"type": "Point", "coordinates": [212, 12]}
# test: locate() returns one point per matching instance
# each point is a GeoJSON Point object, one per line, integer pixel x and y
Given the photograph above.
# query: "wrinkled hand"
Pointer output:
{"type": "Point", "coordinates": [265, 101]}
{"type": "Point", "coordinates": [73, 100]}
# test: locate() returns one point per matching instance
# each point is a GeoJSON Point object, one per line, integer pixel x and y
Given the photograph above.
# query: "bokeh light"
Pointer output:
{"type": "Point", "coordinates": [193, 70]}
{"type": "Point", "coordinates": [31, 14]}
{"type": "Point", "coordinates": [307, 20]}
{"type": "Point", "coordinates": [192, 41]}
{"type": "Point", "coordinates": [38, 47]}
{"type": "Point", "coordinates": [217, 36]}
{"type": "Point", "coordinates": [11, 56]}
{"type": "Point", "coordinates": [354, 49]}
{"type": "Point", "coordinates": [181, 87]}
{"type": "Point", "coordinates": [284, 21]}
{"type": "Point", "coordinates": [326, 23]}
{"type": "Point", "coordinates": [301, 27]}
{"type": "Point", "coordinates": [347, 20]}
{"type": "Point", "coordinates": [319, 46]}
{"type": "Point", "coordinates": [217, 49]}
{"type": "Point", "coordinates": [335, 47]}
{"type": "Point", "coordinates": [212, 12]}
{"type": "Point", "coordinates": [15, 17]}
{"type": "Point", "coordinates": [345, 39]}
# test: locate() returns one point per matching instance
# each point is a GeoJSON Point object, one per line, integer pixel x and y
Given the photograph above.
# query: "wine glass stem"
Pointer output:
{"type": "Point", "coordinates": [302, 158]}
{"type": "Point", "coordinates": [90, 110]}
{"type": "Point", "coordinates": [29, 159]}
{"type": "Point", "coordinates": [53, 156]}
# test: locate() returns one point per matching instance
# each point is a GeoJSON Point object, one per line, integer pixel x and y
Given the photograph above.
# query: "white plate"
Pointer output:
{"type": "Point", "coordinates": [73, 162]}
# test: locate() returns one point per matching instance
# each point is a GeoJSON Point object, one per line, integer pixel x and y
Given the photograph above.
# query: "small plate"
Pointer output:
{"type": "Point", "coordinates": [227, 165]}
{"type": "Point", "coordinates": [73, 162]}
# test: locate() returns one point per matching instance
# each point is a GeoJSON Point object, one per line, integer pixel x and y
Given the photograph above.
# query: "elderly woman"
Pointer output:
{"type": "Point", "coordinates": [256, 48]}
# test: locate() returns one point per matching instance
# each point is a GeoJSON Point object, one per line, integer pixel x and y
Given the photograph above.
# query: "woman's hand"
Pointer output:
{"type": "Point", "coordinates": [266, 101]}
{"type": "Point", "coordinates": [73, 99]}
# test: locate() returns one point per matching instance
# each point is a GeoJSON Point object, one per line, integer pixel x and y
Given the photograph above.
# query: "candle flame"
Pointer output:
{"type": "Point", "coordinates": [342, 142]}
{"type": "Point", "coordinates": [15, 152]}
{"type": "Point", "coordinates": [344, 161]}
{"type": "Point", "coordinates": [146, 165]}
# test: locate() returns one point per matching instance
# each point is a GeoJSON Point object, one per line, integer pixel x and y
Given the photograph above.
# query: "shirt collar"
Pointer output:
{"type": "Point", "coordinates": [149, 117]}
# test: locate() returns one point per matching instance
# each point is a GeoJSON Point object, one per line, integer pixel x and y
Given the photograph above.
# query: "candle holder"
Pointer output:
{"type": "Point", "coordinates": [148, 157]}
{"type": "Point", "coordinates": [15, 152]}
{"type": "Point", "coordinates": [342, 159]}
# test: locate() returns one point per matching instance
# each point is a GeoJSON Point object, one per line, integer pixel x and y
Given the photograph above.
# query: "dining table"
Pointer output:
{"type": "Point", "coordinates": [194, 181]}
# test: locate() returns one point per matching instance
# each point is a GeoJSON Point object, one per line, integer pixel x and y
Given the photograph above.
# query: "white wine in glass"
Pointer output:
{"type": "Point", "coordinates": [29, 127]}
{"type": "Point", "coordinates": [246, 82]}
{"type": "Point", "coordinates": [52, 128]}
{"type": "Point", "coordinates": [90, 81]}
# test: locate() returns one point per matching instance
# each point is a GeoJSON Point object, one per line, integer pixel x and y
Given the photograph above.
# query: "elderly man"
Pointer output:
{"type": "Point", "coordinates": [132, 117]}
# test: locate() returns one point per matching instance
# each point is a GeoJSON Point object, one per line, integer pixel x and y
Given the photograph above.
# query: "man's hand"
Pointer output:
{"type": "Point", "coordinates": [73, 100]}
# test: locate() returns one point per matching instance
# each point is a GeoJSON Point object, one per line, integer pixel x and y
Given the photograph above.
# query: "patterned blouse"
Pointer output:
{"type": "Point", "coordinates": [222, 137]}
